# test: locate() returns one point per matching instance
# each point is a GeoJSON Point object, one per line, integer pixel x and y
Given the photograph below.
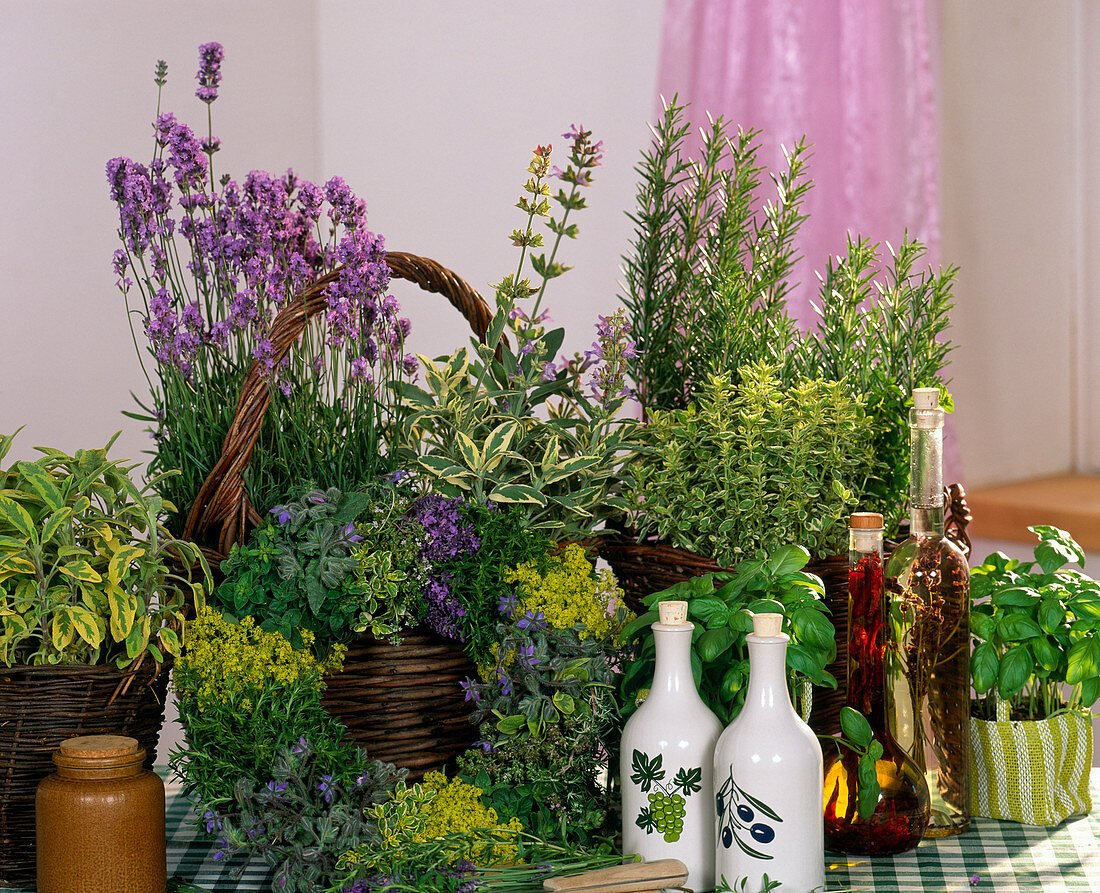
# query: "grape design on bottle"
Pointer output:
{"type": "Point", "coordinates": [666, 810]}
{"type": "Point", "coordinates": [739, 813]}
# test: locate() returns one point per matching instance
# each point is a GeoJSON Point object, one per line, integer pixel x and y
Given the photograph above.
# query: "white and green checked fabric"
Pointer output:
{"type": "Point", "coordinates": [1035, 772]}
{"type": "Point", "coordinates": [190, 851]}
{"type": "Point", "coordinates": [1004, 856]}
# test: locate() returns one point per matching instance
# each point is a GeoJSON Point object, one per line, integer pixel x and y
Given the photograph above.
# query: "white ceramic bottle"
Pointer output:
{"type": "Point", "coordinates": [768, 779]}
{"type": "Point", "coordinates": [667, 758]}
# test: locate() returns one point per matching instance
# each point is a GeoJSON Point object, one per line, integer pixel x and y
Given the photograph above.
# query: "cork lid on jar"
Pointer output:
{"type": "Point", "coordinates": [99, 746]}
{"type": "Point", "coordinates": [865, 521]}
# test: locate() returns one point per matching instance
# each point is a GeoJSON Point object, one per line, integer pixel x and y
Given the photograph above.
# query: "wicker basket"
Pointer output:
{"type": "Point", "coordinates": [648, 566]}
{"type": "Point", "coordinates": [403, 704]}
{"type": "Point", "coordinates": [42, 706]}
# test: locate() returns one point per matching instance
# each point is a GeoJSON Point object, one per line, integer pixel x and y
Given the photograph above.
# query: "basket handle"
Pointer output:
{"type": "Point", "coordinates": [222, 499]}
{"type": "Point", "coordinates": [958, 517]}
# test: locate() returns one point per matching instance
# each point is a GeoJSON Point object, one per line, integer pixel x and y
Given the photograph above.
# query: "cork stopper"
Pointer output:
{"type": "Point", "coordinates": [767, 626]}
{"type": "Point", "coordinates": [865, 521]}
{"type": "Point", "coordinates": [926, 398]}
{"type": "Point", "coordinates": [673, 613]}
{"type": "Point", "coordinates": [99, 746]}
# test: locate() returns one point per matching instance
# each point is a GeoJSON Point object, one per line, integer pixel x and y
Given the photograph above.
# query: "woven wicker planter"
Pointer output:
{"type": "Point", "coordinates": [402, 705]}
{"type": "Point", "coordinates": [42, 706]}
{"type": "Point", "coordinates": [649, 566]}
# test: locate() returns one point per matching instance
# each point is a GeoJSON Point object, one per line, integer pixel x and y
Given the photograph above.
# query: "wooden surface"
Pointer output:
{"type": "Point", "coordinates": [640, 877]}
{"type": "Point", "coordinates": [1071, 502]}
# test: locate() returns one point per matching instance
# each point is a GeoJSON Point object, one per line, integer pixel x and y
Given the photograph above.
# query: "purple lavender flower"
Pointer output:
{"type": "Point", "coordinates": [303, 746]}
{"type": "Point", "coordinates": [163, 127]}
{"type": "Point", "coordinates": [210, 71]}
{"type": "Point", "coordinates": [185, 155]}
{"type": "Point", "coordinates": [276, 788]}
{"type": "Point", "coordinates": [327, 788]}
{"type": "Point", "coordinates": [263, 353]}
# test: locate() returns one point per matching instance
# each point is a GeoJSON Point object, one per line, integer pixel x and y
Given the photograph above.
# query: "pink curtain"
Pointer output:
{"type": "Point", "coordinates": [857, 77]}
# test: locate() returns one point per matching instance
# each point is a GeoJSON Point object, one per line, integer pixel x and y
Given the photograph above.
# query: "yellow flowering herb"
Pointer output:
{"type": "Point", "coordinates": [223, 656]}
{"type": "Point", "coordinates": [569, 592]}
{"type": "Point", "coordinates": [456, 808]}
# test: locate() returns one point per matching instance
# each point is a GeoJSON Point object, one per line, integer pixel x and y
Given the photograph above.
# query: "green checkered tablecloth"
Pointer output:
{"type": "Point", "coordinates": [1002, 856]}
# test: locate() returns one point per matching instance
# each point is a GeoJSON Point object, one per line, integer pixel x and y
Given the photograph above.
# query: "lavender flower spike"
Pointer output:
{"type": "Point", "coordinates": [210, 71]}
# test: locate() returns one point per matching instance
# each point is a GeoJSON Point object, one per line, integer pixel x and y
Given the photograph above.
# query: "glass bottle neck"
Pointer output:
{"type": "Point", "coordinates": [926, 499]}
{"type": "Point", "coordinates": [866, 637]}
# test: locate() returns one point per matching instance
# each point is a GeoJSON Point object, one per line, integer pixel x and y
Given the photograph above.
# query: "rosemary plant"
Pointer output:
{"type": "Point", "coordinates": [706, 285]}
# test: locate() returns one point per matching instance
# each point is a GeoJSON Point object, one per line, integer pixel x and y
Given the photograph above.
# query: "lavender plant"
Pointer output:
{"type": "Point", "coordinates": [479, 428]}
{"type": "Point", "coordinates": [205, 265]}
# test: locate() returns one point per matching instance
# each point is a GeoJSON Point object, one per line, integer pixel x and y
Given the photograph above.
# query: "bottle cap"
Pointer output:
{"type": "Point", "coordinates": [865, 521]}
{"type": "Point", "coordinates": [673, 613]}
{"type": "Point", "coordinates": [767, 626]}
{"type": "Point", "coordinates": [926, 398]}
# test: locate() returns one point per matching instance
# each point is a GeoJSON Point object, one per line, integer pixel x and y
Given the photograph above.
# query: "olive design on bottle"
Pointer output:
{"type": "Point", "coordinates": [666, 810]}
{"type": "Point", "coordinates": [740, 812]}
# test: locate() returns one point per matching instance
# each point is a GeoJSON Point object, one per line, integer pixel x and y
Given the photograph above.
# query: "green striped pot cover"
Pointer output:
{"type": "Point", "coordinates": [1033, 772]}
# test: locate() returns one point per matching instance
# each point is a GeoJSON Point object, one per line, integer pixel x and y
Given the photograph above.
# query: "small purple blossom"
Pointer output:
{"type": "Point", "coordinates": [447, 536]}
{"type": "Point", "coordinates": [303, 746]}
{"type": "Point", "coordinates": [282, 515]}
{"type": "Point", "coordinates": [470, 687]}
{"type": "Point", "coordinates": [326, 788]}
{"type": "Point", "coordinates": [531, 620]}
{"type": "Point", "coordinates": [608, 356]}
{"type": "Point", "coordinates": [211, 822]}
{"type": "Point", "coordinates": [503, 682]}
{"type": "Point", "coordinates": [276, 787]}
{"type": "Point", "coordinates": [975, 879]}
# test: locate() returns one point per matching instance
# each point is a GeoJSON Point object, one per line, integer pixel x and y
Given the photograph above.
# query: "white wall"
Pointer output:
{"type": "Point", "coordinates": [433, 110]}
{"type": "Point", "coordinates": [1021, 211]}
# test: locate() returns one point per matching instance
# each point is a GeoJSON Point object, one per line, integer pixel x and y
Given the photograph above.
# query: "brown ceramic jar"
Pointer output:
{"type": "Point", "coordinates": [100, 820]}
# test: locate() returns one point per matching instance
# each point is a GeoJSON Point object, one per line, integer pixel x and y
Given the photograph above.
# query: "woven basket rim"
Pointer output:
{"type": "Point", "coordinates": [222, 503]}
{"type": "Point", "coordinates": [957, 519]}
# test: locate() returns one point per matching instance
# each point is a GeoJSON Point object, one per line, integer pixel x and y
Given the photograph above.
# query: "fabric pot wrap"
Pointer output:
{"type": "Point", "coordinates": [1035, 772]}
